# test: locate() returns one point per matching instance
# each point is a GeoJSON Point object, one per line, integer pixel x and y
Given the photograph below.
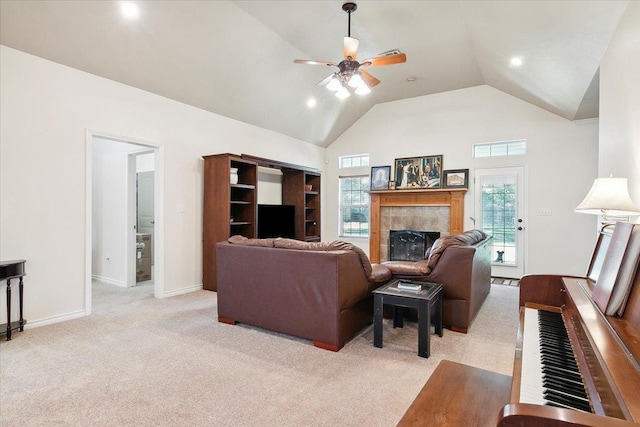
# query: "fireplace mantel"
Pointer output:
{"type": "Point", "coordinates": [453, 198]}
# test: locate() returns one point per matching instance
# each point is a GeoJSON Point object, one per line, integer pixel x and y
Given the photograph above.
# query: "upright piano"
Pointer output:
{"type": "Point", "coordinates": [577, 360]}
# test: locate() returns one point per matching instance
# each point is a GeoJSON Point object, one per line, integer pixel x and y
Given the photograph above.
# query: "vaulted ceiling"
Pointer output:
{"type": "Point", "coordinates": [235, 58]}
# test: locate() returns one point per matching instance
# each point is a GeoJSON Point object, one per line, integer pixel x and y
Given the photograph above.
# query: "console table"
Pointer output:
{"type": "Point", "coordinates": [12, 270]}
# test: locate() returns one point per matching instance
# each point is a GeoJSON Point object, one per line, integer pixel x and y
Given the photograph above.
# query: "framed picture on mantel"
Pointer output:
{"type": "Point", "coordinates": [418, 172]}
{"type": "Point", "coordinates": [380, 177]}
{"type": "Point", "coordinates": [458, 178]}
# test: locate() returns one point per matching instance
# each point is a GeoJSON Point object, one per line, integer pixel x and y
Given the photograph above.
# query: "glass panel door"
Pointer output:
{"type": "Point", "coordinates": [499, 212]}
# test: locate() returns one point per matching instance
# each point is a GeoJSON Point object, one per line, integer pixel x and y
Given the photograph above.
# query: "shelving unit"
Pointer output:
{"type": "Point", "coordinates": [231, 209]}
{"type": "Point", "coordinates": [307, 202]}
{"type": "Point", "coordinates": [312, 207]}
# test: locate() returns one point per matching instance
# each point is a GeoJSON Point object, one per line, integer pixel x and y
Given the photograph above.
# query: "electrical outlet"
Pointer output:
{"type": "Point", "coordinates": [181, 208]}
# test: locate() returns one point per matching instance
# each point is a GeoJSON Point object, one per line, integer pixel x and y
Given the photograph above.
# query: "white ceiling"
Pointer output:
{"type": "Point", "coordinates": [235, 58]}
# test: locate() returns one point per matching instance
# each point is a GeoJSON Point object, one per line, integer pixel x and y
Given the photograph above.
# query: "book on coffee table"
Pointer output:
{"type": "Point", "coordinates": [408, 286]}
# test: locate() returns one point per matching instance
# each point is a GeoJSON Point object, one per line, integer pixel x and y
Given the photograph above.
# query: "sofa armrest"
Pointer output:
{"type": "Point", "coordinates": [379, 273]}
{"type": "Point", "coordinates": [408, 268]}
{"type": "Point", "coordinates": [454, 269]}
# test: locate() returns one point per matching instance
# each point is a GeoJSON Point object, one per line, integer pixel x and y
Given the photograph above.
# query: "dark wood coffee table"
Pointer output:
{"type": "Point", "coordinates": [427, 300]}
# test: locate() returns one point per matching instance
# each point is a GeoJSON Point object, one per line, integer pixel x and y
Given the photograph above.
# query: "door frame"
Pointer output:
{"type": "Point", "coordinates": [522, 209]}
{"type": "Point", "coordinates": [158, 208]}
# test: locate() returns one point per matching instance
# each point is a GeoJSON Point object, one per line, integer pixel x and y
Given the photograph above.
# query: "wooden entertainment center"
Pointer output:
{"type": "Point", "coordinates": [231, 209]}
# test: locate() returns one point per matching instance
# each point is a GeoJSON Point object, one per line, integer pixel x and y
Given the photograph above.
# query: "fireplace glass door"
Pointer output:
{"type": "Point", "coordinates": [410, 245]}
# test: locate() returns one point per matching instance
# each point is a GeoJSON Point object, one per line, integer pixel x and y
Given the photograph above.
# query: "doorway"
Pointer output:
{"type": "Point", "coordinates": [111, 223]}
{"type": "Point", "coordinates": [499, 207]}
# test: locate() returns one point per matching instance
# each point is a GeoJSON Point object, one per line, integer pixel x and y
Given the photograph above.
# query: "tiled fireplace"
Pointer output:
{"type": "Point", "coordinates": [427, 210]}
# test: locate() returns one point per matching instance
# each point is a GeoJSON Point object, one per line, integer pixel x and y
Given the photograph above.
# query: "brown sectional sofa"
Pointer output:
{"type": "Point", "coordinates": [462, 263]}
{"type": "Point", "coordinates": [317, 291]}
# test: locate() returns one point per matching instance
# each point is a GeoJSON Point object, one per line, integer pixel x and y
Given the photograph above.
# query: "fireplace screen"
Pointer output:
{"type": "Point", "coordinates": [410, 245]}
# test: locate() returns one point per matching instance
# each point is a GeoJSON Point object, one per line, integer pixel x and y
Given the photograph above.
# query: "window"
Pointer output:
{"type": "Point", "coordinates": [499, 216]}
{"type": "Point", "coordinates": [354, 206]}
{"type": "Point", "coordinates": [495, 149]}
{"type": "Point", "coordinates": [354, 161]}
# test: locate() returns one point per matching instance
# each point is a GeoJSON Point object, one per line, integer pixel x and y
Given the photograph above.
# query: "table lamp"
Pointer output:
{"type": "Point", "coordinates": [610, 198]}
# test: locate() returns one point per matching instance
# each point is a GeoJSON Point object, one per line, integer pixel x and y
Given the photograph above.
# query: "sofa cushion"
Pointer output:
{"type": "Point", "coordinates": [241, 240]}
{"type": "Point", "coordinates": [325, 246]}
{"type": "Point", "coordinates": [284, 243]}
{"type": "Point", "coordinates": [377, 274]}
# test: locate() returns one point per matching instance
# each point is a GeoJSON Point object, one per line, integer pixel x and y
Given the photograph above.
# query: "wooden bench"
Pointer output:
{"type": "Point", "coordinates": [459, 395]}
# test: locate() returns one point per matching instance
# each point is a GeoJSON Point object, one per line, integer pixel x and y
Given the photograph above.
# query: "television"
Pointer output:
{"type": "Point", "coordinates": [276, 221]}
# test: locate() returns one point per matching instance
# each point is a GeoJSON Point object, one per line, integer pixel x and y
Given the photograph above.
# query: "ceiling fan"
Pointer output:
{"type": "Point", "coordinates": [350, 72]}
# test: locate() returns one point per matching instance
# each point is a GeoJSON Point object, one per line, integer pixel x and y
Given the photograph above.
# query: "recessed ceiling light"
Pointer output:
{"type": "Point", "coordinates": [129, 10]}
{"type": "Point", "coordinates": [311, 102]}
{"type": "Point", "coordinates": [516, 61]}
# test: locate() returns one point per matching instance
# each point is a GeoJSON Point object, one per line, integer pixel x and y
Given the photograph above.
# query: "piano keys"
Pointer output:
{"type": "Point", "coordinates": [550, 374]}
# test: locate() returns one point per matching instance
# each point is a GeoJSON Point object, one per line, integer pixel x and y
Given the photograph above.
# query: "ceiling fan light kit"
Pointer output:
{"type": "Point", "coordinates": [334, 84]}
{"type": "Point", "coordinates": [350, 73]}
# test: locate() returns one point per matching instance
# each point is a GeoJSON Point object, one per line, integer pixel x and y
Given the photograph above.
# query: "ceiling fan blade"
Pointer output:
{"type": "Point", "coordinates": [312, 62]}
{"type": "Point", "coordinates": [385, 60]}
{"type": "Point", "coordinates": [350, 47]}
{"type": "Point", "coordinates": [369, 79]}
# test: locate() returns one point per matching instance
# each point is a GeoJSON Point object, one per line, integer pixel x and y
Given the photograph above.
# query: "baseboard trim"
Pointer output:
{"type": "Point", "coordinates": [55, 319]}
{"type": "Point", "coordinates": [109, 281]}
{"type": "Point", "coordinates": [181, 291]}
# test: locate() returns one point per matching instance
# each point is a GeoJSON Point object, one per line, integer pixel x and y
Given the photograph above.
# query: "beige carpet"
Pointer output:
{"type": "Point", "coordinates": [140, 361]}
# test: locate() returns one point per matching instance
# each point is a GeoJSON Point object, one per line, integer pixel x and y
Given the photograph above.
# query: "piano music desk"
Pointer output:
{"type": "Point", "coordinates": [459, 395]}
{"type": "Point", "coordinates": [12, 270]}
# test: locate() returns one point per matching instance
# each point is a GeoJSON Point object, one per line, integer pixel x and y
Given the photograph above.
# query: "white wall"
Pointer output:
{"type": "Point", "coordinates": [561, 162]}
{"type": "Point", "coordinates": [45, 111]}
{"type": "Point", "coordinates": [269, 186]}
{"type": "Point", "coordinates": [620, 103]}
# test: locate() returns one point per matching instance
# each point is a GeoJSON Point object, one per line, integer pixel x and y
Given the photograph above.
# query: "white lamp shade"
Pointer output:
{"type": "Point", "coordinates": [356, 80]}
{"type": "Point", "coordinates": [343, 93]}
{"type": "Point", "coordinates": [334, 84]}
{"type": "Point", "coordinates": [608, 196]}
